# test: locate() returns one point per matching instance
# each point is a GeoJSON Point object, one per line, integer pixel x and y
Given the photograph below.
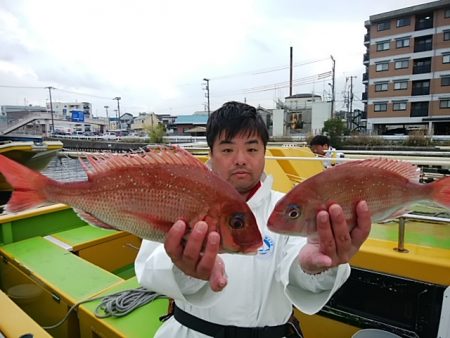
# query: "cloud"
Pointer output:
{"type": "Point", "coordinates": [154, 54]}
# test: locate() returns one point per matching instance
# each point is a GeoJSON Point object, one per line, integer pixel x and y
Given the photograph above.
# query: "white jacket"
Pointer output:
{"type": "Point", "coordinates": [261, 288]}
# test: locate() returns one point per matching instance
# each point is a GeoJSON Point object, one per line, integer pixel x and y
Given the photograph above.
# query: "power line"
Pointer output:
{"type": "Point", "coordinates": [22, 87]}
{"type": "Point", "coordinates": [266, 70]}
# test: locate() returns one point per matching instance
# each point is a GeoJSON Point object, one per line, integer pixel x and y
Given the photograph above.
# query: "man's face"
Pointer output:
{"type": "Point", "coordinates": [319, 149]}
{"type": "Point", "coordinates": [239, 161]}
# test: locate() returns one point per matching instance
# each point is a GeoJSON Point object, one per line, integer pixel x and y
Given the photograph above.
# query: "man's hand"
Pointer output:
{"type": "Point", "coordinates": [189, 257]}
{"type": "Point", "coordinates": [334, 244]}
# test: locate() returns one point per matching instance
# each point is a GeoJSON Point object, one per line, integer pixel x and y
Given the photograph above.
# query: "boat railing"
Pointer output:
{"type": "Point", "coordinates": [402, 227]}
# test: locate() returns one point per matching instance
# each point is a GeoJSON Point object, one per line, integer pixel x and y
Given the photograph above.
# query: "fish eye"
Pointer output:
{"type": "Point", "coordinates": [237, 221]}
{"type": "Point", "coordinates": [293, 211]}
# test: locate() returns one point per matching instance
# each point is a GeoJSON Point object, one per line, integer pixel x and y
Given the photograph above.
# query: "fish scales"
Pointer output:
{"type": "Point", "coordinates": [388, 186]}
{"type": "Point", "coordinates": [145, 194]}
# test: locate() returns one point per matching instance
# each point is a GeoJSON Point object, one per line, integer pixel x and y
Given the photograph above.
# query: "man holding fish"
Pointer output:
{"type": "Point", "coordinates": [235, 295]}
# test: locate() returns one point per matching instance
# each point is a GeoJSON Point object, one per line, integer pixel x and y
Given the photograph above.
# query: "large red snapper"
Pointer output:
{"type": "Point", "coordinates": [388, 187]}
{"type": "Point", "coordinates": [143, 194]}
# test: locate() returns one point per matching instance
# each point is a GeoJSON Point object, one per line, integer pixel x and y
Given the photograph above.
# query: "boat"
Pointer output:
{"type": "Point", "coordinates": [31, 151]}
{"type": "Point", "coordinates": [52, 261]}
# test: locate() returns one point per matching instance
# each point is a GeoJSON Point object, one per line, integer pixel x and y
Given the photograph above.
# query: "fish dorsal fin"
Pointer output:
{"type": "Point", "coordinates": [402, 168]}
{"type": "Point", "coordinates": [100, 164]}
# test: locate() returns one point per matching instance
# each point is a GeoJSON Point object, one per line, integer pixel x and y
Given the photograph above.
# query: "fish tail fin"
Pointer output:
{"type": "Point", "coordinates": [441, 191]}
{"type": "Point", "coordinates": [28, 185]}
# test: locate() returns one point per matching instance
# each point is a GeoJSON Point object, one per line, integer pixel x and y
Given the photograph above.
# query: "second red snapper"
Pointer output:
{"type": "Point", "coordinates": [388, 187]}
{"type": "Point", "coordinates": [143, 194]}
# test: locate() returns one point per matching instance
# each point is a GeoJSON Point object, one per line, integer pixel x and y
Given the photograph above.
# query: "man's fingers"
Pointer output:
{"type": "Point", "coordinates": [174, 236]}
{"type": "Point", "coordinates": [194, 244]}
{"type": "Point", "coordinates": [342, 238]}
{"type": "Point", "coordinates": [218, 279]}
{"type": "Point", "coordinates": [325, 233]}
{"type": "Point", "coordinates": [364, 224]}
{"type": "Point", "coordinates": [206, 263]}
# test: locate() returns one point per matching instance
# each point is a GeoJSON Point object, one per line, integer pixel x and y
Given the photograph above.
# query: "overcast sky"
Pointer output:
{"type": "Point", "coordinates": [154, 54]}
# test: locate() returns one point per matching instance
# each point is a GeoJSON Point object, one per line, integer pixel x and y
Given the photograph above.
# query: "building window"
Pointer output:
{"type": "Point", "coordinates": [406, 21]}
{"type": "Point", "coordinates": [381, 87]}
{"type": "Point", "coordinates": [383, 66]}
{"type": "Point", "coordinates": [383, 45]}
{"type": "Point", "coordinates": [402, 42]}
{"type": "Point", "coordinates": [445, 58]}
{"type": "Point", "coordinates": [446, 35]}
{"type": "Point", "coordinates": [385, 25]}
{"type": "Point", "coordinates": [447, 13]}
{"type": "Point", "coordinates": [401, 64]}
{"type": "Point", "coordinates": [444, 103]}
{"type": "Point", "coordinates": [445, 80]}
{"type": "Point", "coordinates": [400, 85]}
{"type": "Point", "coordinates": [380, 106]}
{"type": "Point", "coordinates": [399, 105]}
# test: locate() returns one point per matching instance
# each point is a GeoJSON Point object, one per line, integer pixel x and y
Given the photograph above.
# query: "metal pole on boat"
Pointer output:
{"type": "Point", "coordinates": [401, 235]}
{"type": "Point", "coordinates": [51, 109]}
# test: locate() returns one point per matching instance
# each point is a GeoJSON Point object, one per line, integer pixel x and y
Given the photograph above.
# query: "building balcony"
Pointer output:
{"type": "Point", "coordinates": [365, 77]}
{"type": "Point", "coordinates": [421, 69]}
{"type": "Point", "coordinates": [366, 39]}
{"type": "Point", "coordinates": [421, 25]}
{"type": "Point", "coordinates": [419, 109]}
{"type": "Point", "coordinates": [419, 113]}
{"type": "Point", "coordinates": [420, 91]}
{"type": "Point", "coordinates": [366, 58]}
{"type": "Point", "coordinates": [422, 47]}
{"type": "Point", "coordinates": [364, 96]}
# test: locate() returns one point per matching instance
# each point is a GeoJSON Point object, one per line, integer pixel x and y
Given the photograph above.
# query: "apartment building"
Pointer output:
{"type": "Point", "coordinates": [407, 76]}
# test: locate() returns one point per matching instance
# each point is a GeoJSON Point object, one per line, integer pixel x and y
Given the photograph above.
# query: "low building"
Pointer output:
{"type": "Point", "coordinates": [184, 124]}
{"type": "Point", "coordinates": [144, 121]}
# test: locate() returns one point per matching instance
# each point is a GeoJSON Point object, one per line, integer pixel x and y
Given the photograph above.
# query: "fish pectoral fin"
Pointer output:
{"type": "Point", "coordinates": [157, 223]}
{"type": "Point", "coordinates": [396, 214]}
{"type": "Point", "coordinates": [89, 218]}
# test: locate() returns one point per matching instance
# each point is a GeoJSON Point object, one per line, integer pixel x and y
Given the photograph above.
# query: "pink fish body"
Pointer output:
{"type": "Point", "coordinates": [143, 194]}
{"type": "Point", "coordinates": [388, 186]}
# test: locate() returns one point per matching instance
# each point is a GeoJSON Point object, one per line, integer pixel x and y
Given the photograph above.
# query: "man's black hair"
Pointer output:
{"type": "Point", "coordinates": [235, 118]}
{"type": "Point", "coordinates": [320, 140]}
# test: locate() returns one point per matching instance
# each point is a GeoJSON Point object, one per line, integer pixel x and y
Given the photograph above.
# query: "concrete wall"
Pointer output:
{"type": "Point", "coordinates": [278, 118]}
{"type": "Point", "coordinates": [321, 111]}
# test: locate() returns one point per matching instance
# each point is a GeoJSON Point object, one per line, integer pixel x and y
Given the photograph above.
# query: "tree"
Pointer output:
{"type": "Point", "coordinates": [335, 128]}
{"type": "Point", "coordinates": [156, 132]}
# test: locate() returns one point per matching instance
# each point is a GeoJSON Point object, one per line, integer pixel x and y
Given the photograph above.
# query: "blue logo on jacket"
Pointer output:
{"type": "Point", "coordinates": [267, 246]}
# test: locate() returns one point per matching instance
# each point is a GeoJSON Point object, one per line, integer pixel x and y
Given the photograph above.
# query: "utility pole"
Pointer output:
{"type": "Point", "coordinates": [333, 85]}
{"type": "Point", "coordinates": [118, 111]}
{"type": "Point", "coordinates": [290, 72]}
{"type": "Point", "coordinates": [350, 102]}
{"type": "Point", "coordinates": [207, 95]}
{"type": "Point", "coordinates": [107, 117]}
{"type": "Point", "coordinates": [51, 108]}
